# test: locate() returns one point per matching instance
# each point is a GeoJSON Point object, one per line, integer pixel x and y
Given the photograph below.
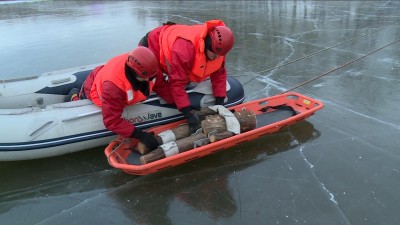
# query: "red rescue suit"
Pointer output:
{"type": "Point", "coordinates": [182, 55]}
{"type": "Point", "coordinates": [107, 86]}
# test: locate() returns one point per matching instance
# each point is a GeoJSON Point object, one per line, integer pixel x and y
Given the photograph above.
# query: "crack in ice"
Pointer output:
{"type": "Point", "coordinates": [364, 115]}
{"type": "Point", "coordinates": [326, 191]}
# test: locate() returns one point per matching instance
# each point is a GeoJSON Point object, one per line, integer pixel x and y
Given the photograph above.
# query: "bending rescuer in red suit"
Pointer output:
{"type": "Point", "coordinates": [124, 80]}
{"type": "Point", "coordinates": [189, 54]}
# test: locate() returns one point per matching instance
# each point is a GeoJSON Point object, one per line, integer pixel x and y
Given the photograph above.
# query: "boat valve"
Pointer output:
{"type": "Point", "coordinates": [39, 101]}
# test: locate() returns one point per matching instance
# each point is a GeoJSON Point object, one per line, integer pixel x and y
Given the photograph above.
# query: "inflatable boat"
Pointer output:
{"type": "Point", "coordinates": [37, 122]}
{"type": "Point", "coordinates": [272, 114]}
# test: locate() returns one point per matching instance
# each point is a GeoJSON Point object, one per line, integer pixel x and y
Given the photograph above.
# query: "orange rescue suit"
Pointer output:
{"type": "Point", "coordinates": [196, 34]}
{"type": "Point", "coordinates": [114, 71]}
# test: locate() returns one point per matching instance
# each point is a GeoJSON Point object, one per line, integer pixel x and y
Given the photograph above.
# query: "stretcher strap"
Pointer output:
{"type": "Point", "coordinates": [281, 107]}
{"type": "Point", "coordinates": [170, 149]}
{"type": "Point", "coordinates": [167, 136]}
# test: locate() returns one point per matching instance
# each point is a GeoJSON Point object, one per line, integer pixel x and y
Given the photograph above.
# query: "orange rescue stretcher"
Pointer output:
{"type": "Point", "coordinates": [272, 114]}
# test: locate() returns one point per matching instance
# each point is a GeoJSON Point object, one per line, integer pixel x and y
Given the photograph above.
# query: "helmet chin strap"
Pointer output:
{"type": "Point", "coordinates": [208, 43]}
{"type": "Point", "coordinates": [143, 86]}
{"type": "Point", "coordinates": [129, 71]}
{"type": "Point", "coordinates": [132, 76]}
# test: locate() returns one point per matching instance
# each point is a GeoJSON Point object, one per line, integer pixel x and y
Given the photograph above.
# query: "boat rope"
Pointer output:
{"type": "Point", "coordinates": [341, 66]}
{"type": "Point", "coordinates": [322, 50]}
{"type": "Point", "coordinates": [325, 49]}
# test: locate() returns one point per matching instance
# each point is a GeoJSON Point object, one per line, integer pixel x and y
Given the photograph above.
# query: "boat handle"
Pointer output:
{"type": "Point", "coordinates": [81, 115]}
{"type": "Point", "coordinates": [42, 126]}
{"type": "Point", "coordinates": [60, 81]}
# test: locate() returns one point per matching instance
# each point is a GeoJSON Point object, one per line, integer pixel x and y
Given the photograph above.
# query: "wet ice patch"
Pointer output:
{"type": "Point", "coordinates": [385, 78]}
{"type": "Point", "coordinates": [272, 83]}
{"type": "Point", "coordinates": [269, 81]}
{"type": "Point", "coordinates": [256, 34]}
{"type": "Point", "coordinates": [389, 60]}
{"type": "Point", "coordinates": [305, 159]}
{"type": "Point", "coordinates": [18, 1]}
{"type": "Point", "coordinates": [288, 39]}
{"type": "Point", "coordinates": [189, 19]}
{"type": "Point", "coordinates": [319, 85]}
{"type": "Point", "coordinates": [354, 73]}
{"type": "Point", "coordinates": [331, 196]}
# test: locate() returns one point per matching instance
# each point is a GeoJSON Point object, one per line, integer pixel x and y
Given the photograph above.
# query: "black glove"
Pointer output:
{"type": "Point", "coordinates": [192, 118]}
{"type": "Point", "coordinates": [145, 138]}
{"type": "Point", "coordinates": [219, 100]}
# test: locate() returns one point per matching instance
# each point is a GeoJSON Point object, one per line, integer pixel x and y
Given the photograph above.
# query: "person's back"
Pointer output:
{"type": "Point", "coordinates": [123, 80]}
{"type": "Point", "coordinates": [190, 54]}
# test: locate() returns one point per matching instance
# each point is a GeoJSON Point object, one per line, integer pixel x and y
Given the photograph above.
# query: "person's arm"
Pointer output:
{"type": "Point", "coordinates": [180, 66]}
{"type": "Point", "coordinates": [218, 81]}
{"type": "Point", "coordinates": [113, 104]}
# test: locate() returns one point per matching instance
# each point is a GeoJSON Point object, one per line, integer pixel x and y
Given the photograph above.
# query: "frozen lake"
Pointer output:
{"type": "Point", "coordinates": [341, 166]}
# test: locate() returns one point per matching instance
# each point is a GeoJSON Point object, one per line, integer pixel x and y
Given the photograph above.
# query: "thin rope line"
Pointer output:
{"type": "Point", "coordinates": [339, 67]}
{"type": "Point", "coordinates": [327, 48]}
{"type": "Point", "coordinates": [317, 52]}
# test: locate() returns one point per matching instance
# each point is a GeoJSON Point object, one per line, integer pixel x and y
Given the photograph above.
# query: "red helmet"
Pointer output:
{"type": "Point", "coordinates": [143, 61]}
{"type": "Point", "coordinates": [222, 39]}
